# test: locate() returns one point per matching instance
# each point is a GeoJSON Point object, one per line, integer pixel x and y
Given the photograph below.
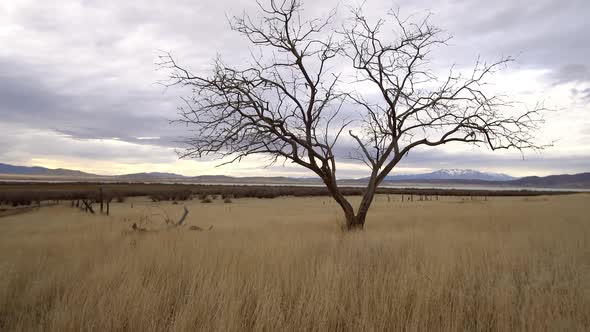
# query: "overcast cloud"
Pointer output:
{"type": "Point", "coordinates": [78, 80]}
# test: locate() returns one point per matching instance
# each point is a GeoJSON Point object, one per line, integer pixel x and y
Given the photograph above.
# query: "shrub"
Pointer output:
{"type": "Point", "coordinates": [182, 195]}
{"type": "Point", "coordinates": [155, 198]}
{"type": "Point", "coordinates": [23, 194]}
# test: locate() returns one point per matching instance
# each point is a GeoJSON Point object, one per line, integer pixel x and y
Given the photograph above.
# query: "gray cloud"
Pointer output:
{"type": "Point", "coordinates": [542, 33]}
{"type": "Point", "coordinates": [22, 143]}
{"type": "Point", "coordinates": [545, 163]}
{"type": "Point", "coordinates": [101, 114]}
{"type": "Point", "coordinates": [583, 94]}
{"type": "Point", "coordinates": [571, 73]}
{"type": "Point", "coordinates": [468, 156]}
{"type": "Point", "coordinates": [86, 69]}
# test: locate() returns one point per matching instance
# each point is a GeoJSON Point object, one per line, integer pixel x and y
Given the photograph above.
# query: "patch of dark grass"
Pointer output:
{"type": "Point", "coordinates": [26, 194]}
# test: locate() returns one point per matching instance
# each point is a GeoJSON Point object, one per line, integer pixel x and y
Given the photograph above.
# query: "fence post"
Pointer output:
{"type": "Point", "coordinates": [101, 199]}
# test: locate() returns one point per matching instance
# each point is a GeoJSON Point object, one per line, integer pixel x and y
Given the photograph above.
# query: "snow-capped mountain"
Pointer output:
{"type": "Point", "coordinates": [452, 174]}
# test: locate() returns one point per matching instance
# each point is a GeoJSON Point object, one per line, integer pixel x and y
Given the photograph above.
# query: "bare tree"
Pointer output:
{"type": "Point", "coordinates": [287, 104]}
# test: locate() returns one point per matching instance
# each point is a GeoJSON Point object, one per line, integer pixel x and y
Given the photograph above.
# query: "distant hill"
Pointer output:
{"type": "Point", "coordinates": [441, 177]}
{"type": "Point", "coordinates": [452, 174]}
{"type": "Point", "coordinates": [40, 171]}
{"type": "Point", "coordinates": [152, 175]}
{"type": "Point", "coordinates": [252, 179]}
{"type": "Point", "coordinates": [581, 180]}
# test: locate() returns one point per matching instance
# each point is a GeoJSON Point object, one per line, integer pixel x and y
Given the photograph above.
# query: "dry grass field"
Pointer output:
{"type": "Point", "coordinates": [505, 264]}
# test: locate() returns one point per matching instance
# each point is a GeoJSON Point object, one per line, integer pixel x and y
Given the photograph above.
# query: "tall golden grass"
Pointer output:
{"type": "Point", "coordinates": [506, 264]}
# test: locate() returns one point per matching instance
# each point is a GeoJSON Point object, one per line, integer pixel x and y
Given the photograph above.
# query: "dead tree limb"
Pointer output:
{"type": "Point", "coordinates": [183, 218]}
{"type": "Point", "coordinates": [88, 206]}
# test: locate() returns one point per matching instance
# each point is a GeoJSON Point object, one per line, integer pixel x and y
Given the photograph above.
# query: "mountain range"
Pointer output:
{"type": "Point", "coordinates": [444, 176]}
{"type": "Point", "coordinates": [452, 174]}
{"type": "Point", "coordinates": [41, 171]}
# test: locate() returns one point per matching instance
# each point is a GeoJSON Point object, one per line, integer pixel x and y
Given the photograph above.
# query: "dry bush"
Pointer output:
{"type": "Point", "coordinates": [156, 197]}
{"type": "Point", "coordinates": [182, 195]}
{"type": "Point", "coordinates": [171, 195]}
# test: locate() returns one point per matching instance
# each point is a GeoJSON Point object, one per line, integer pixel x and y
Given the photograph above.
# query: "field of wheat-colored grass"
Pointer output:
{"type": "Point", "coordinates": [505, 264]}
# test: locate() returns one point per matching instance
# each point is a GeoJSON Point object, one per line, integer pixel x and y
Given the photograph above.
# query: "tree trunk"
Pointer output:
{"type": "Point", "coordinates": [358, 223]}
{"type": "Point", "coordinates": [354, 222]}
{"type": "Point", "coordinates": [350, 218]}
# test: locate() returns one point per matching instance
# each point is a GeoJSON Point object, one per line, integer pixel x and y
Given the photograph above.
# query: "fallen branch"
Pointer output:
{"type": "Point", "coordinates": [183, 218]}
{"type": "Point", "coordinates": [197, 228]}
{"type": "Point", "coordinates": [88, 206]}
{"type": "Point", "coordinates": [138, 229]}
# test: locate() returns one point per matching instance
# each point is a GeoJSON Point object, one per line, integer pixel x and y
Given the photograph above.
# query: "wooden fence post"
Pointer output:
{"type": "Point", "coordinates": [100, 197]}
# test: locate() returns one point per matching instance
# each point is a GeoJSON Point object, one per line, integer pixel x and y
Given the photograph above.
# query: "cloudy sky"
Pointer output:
{"type": "Point", "coordinates": [78, 80]}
